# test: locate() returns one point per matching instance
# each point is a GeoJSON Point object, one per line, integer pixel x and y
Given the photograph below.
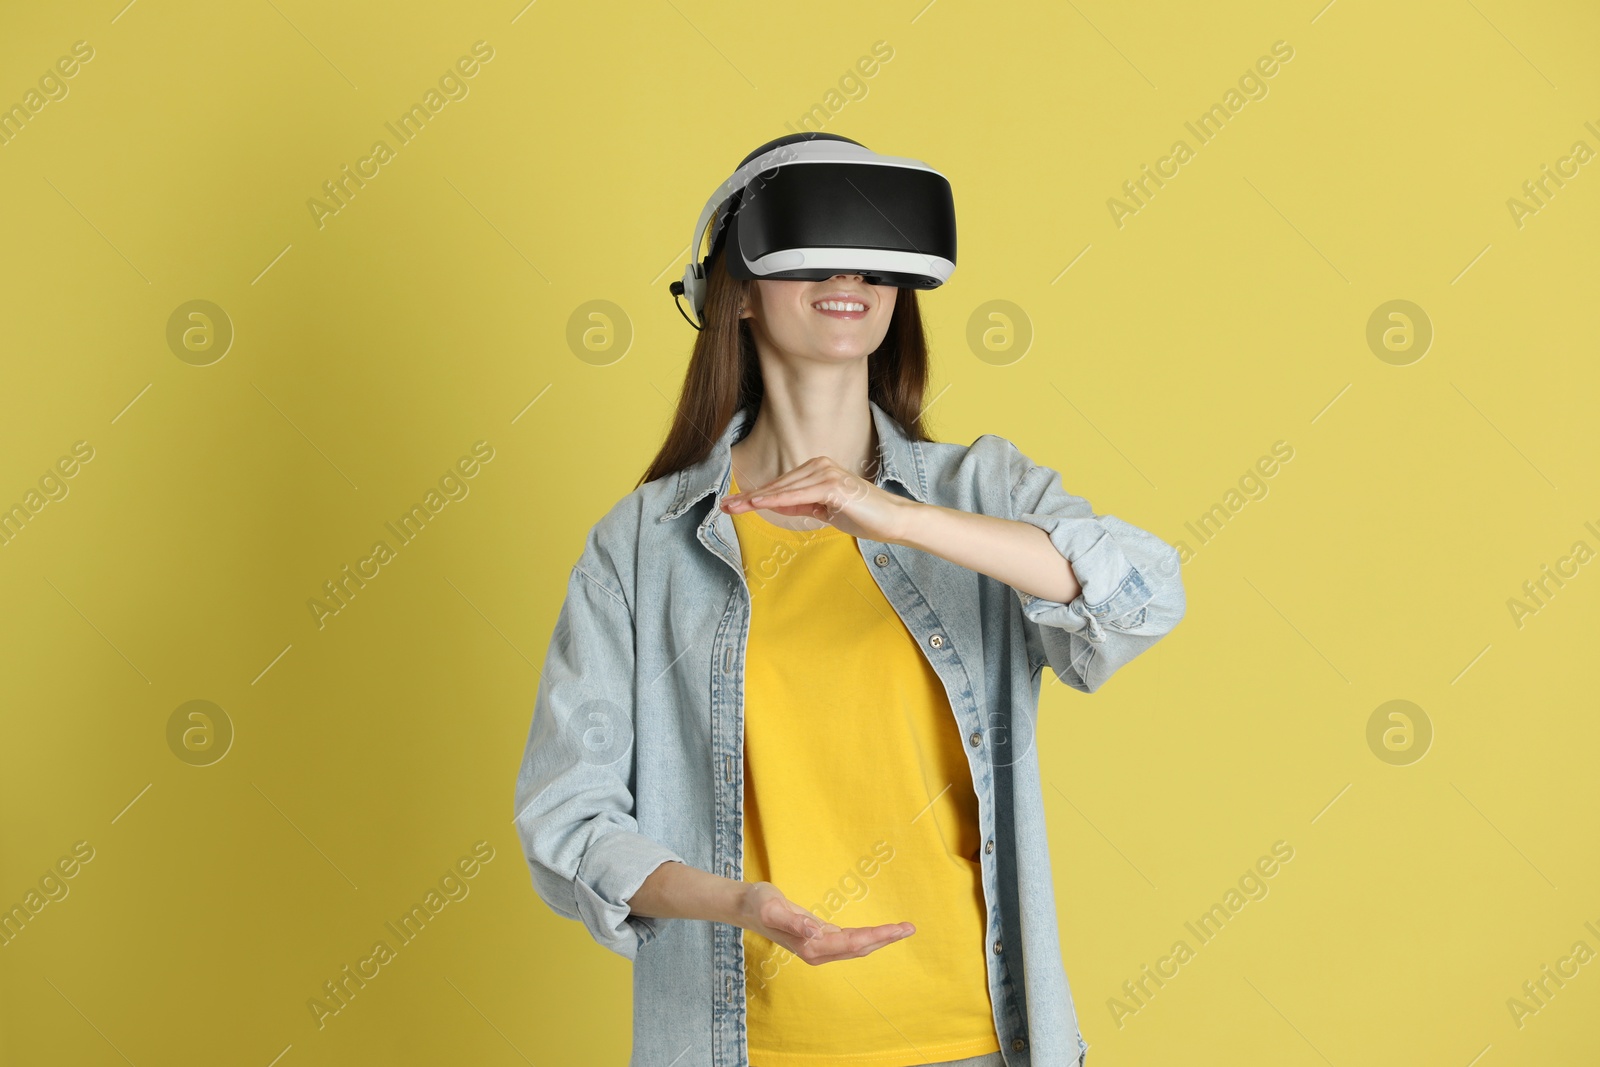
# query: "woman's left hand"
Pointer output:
{"type": "Point", "coordinates": [822, 489]}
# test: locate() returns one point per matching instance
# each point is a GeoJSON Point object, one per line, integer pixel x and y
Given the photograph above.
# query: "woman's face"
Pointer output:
{"type": "Point", "coordinates": [836, 319]}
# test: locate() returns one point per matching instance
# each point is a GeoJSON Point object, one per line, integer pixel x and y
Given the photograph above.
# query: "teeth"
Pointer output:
{"type": "Point", "coordinates": [839, 305]}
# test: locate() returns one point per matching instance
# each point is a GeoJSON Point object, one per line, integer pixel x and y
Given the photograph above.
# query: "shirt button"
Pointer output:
{"type": "Point", "coordinates": [881, 559]}
{"type": "Point", "coordinates": [997, 946]}
{"type": "Point", "coordinates": [937, 640]}
{"type": "Point", "coordinates": [1018, 1044]}
{"type": "Point", "coordinates": [976, 739]}
{"type": "Point", "coordinates": [988, 846]}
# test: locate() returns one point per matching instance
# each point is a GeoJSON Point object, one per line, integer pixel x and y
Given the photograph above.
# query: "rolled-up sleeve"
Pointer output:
{"type": "Point", "coordinates": [575, 808]}
{"type": "Point", "coordinates": [1132, 589]}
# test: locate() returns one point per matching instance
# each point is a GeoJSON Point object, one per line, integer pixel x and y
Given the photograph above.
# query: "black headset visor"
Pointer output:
{"type": "Point", "coordinates": [883, 222]}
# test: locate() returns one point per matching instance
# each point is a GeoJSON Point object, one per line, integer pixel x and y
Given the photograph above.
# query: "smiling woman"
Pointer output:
{"type": "Point", "coordinates": [725, 721]}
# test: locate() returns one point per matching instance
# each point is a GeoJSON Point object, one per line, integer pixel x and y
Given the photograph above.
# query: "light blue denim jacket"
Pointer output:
{"type": "Point", "coordinates": [635, 754]}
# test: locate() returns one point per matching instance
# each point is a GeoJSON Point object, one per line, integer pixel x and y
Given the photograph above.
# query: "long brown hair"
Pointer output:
{"type": "Point", "coordinates": [724, 374]}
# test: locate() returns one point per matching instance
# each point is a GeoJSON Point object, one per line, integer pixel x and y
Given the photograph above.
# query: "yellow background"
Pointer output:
{"type": "Point", "coordinates": [430, 312]}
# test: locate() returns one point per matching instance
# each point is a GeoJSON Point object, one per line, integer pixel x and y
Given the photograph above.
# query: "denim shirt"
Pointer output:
{"type": "Point", "coordinates": [635, 753]}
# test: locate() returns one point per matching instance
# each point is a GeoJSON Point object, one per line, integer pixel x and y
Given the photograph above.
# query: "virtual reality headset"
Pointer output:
{"type": "Point", "coordinates": [809, 206]}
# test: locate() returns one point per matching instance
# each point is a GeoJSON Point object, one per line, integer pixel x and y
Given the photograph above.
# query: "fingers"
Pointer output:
{"type": "Point", "coordinates": [859, 941]}
{"type": "Point", "coordinates": [852, 943]}
{"type": "Point", "coordinates": [818, 941]}
{"type": "Point", "coordinates": [805, 472]}
{"type": "Point", "coordinates": [782, 480]}
{"type": "Point", "coordinates": [824, 488]}
{"type": "Point", "coordinates": [808, 501]}
{"type": "Point", "coordinates": [812, 492]}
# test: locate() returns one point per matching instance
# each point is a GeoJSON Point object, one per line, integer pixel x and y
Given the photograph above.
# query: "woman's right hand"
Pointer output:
{"type": "Point", "coordinates": [766, 911]}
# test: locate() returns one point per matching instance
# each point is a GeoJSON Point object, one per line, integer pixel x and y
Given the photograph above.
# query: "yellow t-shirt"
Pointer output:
{"type": "Point", "coordinates": [859, 806]}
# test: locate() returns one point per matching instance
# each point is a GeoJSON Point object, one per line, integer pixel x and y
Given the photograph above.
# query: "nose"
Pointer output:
{"type": "Point", "coordinates": [857, 277]}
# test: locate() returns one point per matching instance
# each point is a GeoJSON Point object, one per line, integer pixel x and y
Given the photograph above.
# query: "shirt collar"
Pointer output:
{"type": "Point", "coordinates": [901, 462]}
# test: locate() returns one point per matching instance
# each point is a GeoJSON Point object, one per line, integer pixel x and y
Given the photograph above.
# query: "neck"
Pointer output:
{"type": "Point", "coordinates": [795, 426]}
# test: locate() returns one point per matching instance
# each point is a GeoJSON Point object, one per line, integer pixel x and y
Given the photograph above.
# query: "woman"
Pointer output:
{"type": "Point", "coordinates": [825, 686]}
